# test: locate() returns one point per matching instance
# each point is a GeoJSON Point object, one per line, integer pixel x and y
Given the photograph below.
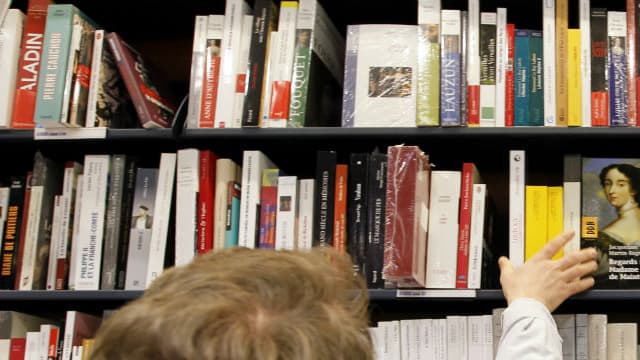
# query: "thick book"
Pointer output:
{"type": "Point", "coordinates": [268, 208]}
{"type": "Point", "coordinates": [380, 76]}
{"type": "Point", "coordinates": [226, 171]}
{"type": "Point", "coordinates": [287, 213]}
{"type": "Point", "coordinates": [81, 78]}
{"type": "Point", "coordinates": [470, 177]}
{"type": "Point", "coordinates": [211, 75]}
{"type": "Point", "coordinates": [196, 80]}
{"type": "Point", "coordinates": [72, 171]}
{"type": "Point", "coordinates": [406, 205]}
{"type": "Point", "coordinates": [206, 192]}
{"type": "Point", "coordinates": [324, 200]}
{"type": "Point", "coordinates": [574, 80]}
{"type": "Point", "coordinates": [232, 218]}
{"type": "Point", "coordinates": [357, 209]}
{"type": "Point", "coordinates": [610, 219]}
{"type": "Point", "coordinates": [488, 69]}
{"type": "Point", "coordinates": [536, 86]}
{"type": "Point", "coordinates": [316, 86]}
{"type": "Point", "coordinates": [617, 68]}
{"type": "Point", "coordinates": [340, 208]}
{"type": "Point", "coordinates": [10, 35]}
{"type": "Point", "coordinates": [153, 108]}
{"type": "Point", "coordinates": [187, 187]}
{"type": "Point", "coordinates": [473, 64]}
{"type": "Point", "coordinates": [585, 61]}
{"type": "Point", "coordinates": [12, 233]}
{"type": "Point", "coordinates": [428, 66]}
{"type": "Point", "coordinates": [450, 61]}
{"type": "Point", "coordinates": [599, 85]}
{"type": "Point", "coordinates": [376, 208]}
{"type": "Point", "coordinates": [29, 67]}
{"type": "Point", "coordinates": [78, 326]}
{"type": "Point", "coordinates": [522, 82]}
{"type": "Point", "coordinates": [571, 199]}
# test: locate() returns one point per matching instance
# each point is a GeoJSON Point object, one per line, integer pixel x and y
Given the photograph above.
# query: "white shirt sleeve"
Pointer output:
{"type": "Point", "coordinates": [529, 332]}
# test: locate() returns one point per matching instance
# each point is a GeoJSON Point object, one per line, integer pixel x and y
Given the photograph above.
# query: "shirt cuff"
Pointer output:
{"type": "Point", "coordinates": [526, 307]}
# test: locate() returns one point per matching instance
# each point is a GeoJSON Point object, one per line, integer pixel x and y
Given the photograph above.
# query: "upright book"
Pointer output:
{"type": "Point", "coordinates": [154, 109]}
{"type": "Point", "coordinates": [10, 35]}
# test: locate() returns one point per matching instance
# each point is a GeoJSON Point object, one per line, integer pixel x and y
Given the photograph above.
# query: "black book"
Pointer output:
{"type": "Point", "coordinates": [12, 233]}
{"type": "Point", "coordinates": [125, 221]}
{"type": "Point", "coordinates": [376, 198]}
{"type": "Point", "coordinates": [324, 199]}
{"type": "Point", "coordinates": [357, 210]}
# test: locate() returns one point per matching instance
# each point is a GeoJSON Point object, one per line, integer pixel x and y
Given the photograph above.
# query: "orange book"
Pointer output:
{"type": "Point", "coordinates": [340, 208]}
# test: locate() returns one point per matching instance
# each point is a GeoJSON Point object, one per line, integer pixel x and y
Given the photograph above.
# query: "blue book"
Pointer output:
{"type": "Point", "coordinates": [618, 115]}
{"type": "Point", "coordinates": [536, 97]}
{"type": "Point", "coordinates": [233, 215]}
{"type": "Point", "coordinates": [450, 81]}
{"type": "Point", "coordinates": [522, 74]}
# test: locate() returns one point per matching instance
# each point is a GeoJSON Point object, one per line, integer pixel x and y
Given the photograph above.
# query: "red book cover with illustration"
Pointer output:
{"type": "Point", "coordinates": [153, 109]}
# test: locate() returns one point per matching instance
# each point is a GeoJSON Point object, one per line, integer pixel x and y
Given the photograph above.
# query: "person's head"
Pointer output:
{"type": "Point", "coordinates": [621, 183]}
{"type": "Point", "coordinates": [245, 304]}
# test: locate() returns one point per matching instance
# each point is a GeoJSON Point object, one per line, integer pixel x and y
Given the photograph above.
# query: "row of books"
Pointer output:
{"type": "Point", "coordinates": [276, 65]}
{"type": "Point", "coordinates": [584, 336]}
{"type": "Point", "coordinates": [63, 70]}
{"type": "Point", "coordinates": [30, 337]}
{"type": "Point", "coordinates": [86, 226]}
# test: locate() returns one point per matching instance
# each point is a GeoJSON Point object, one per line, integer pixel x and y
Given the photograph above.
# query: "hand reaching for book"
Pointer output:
{"type": "Point", "coordinates": [549, 281]}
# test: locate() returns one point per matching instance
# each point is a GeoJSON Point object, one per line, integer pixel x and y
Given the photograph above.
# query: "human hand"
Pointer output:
{"type": "Point", "coordinates": [549, 281]}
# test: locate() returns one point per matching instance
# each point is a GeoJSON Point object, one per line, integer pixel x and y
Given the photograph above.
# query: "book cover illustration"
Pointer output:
{"type": "Point", "coordinates": [611, 219]}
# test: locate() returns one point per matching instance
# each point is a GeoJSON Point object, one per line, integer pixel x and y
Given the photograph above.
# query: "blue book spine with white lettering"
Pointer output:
{"type": "Point", "coordinates": [450, 81]}
{"type": "Point", "coordinates": [536, 97]}
{"type": "Point", "coordinates": [522, 70]}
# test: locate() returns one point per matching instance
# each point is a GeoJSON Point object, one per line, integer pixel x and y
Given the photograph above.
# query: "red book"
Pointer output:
{"type": "Point", "coordinates": [52, 349]}
{"type": "Point", "coordinates": [340, 208]}
{"type": "Point", "coordinates": [268, 208]}
{"type": "Point", "coordinates": [17, 348]}
{"type": "Point", "coordinates": [153, 109]}
{"type": "Point", "coordinates": [470, 176]}
{"type": "Point", "coordinates": [24, 103]}
{"type": "Point", "coordinates": [207, 175]}
{"type": "Point", "coordinates": [474, 105]}
{"type": "Point", "coordinates": [509, 79]}
{"type": "Point", "coordinates": [407, 201]}
{"type": "Point", "coordinates": [280, 93]}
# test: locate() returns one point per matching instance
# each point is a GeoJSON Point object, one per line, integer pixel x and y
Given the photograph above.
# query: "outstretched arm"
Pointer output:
{"type": "Point", "coordinates": [533, 291]}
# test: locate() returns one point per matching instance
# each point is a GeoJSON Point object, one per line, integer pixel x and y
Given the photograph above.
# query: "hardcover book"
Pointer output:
{"type": "Point", "coordinates": [29, 67]}
{"type": "Point", "coordinates": [611, 219]}
{"type": "Point", "coordinates": [153, 108]}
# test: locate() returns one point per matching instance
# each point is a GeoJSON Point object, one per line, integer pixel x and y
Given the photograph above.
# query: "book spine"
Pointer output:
{"type": "Point", "coordinates": [562, 55]}
{"type": "Point", "coordinates": [125, 221]}
{"type": "Point", "coordinates": [428, 97]}
{"type": "Point", "coordinates": [324, 203]}
{"type": "Point", "coordinates": [598, 336]}
{"type": "Point", "coordinates": [509, 77]}
{"type": "Point", "coordinates": [536, 207]}
{"type": "Point", "coordinates": [10, 35]}
{"type": "Point", "coordinates": [571, 200]}
{"type": "Point", "coordinates": [599, 84]}
{"type": "Point", "coordinates": [4, 204]}
{"type": "Point", "coordinates": [376, 203]}
{"type": "Point", "coordinates": [205, 216]}
{"type": "Point", "coordinates": [464, 228]}
{"type": "Point", "coordinates": [112, 221]}
{"type": "Point", "coordinates": [226, 171]}
{"type": "Point", "coordinates": [476, 235]}
{"type": "Point", "coordinates": [287, 213]}
{"type": "Point", "coordinates": [631, 63]}
{"type": "Point", "coordinates": [488, 69]}
{"type": "Point", "coordinates": [81, 77]}
{"type": "Point", "coordinates": [464, 107]}
{"type": "Point", "coordinates": [12, 233]}
{"type": "Point", "coordinates": [306, 207]}
{"type": "Point", "coordinates": [74, 50]}
{"type": "Point", "coordinates": [356, 203]}
{"type": "Point", "coordinates": [268, 208]}
{"type": "Point", "coordinates": [233, 214]}
{"type": "Point", "coordinates": [91, 227]}
{"type": "Point", "coordinates": [160, 226]}
{"type": "Point", "coordinates": [75, 247]}
{"type": "Point", "coordinates": [29, 66]}
{"type": "Point", "coordinates": [187, 188]}
{"type": "Point", "coordinates": [555, 221]}
{"type": "Point", "coordinates": [522, 69]}
{"type": "Point", "coordinates": [549, 56]}
{"type": "Point", "coordinates": [443, 229]}
{"type": "Point", "coordinates": [265, 15]}
{"type": "Point", "coordinates": [473, 63]}
{"type": "Point", "coordinates": [574, 80]}
{"type": "Point", "coordinates": [211, 76]}
{"type": "Point", "coordinates": [450, 64]}
{"type": "Point", "coordinates": [636, 54]}
{"type": "Point", "coordinates": [617, 69]}
{"type": "Point", "coordinates": [517, 162]}
{"type": "Point", "coordinates": [94, 80]}
{"type": "Point", "coordinates": [229, 60]}
{"type": "Point", "coordinates": [240, 87]}
{"type": "Point", "coordinates": [622, 340]}
{"type": "Point", "coordinates": [196, 79]}
{"type": "Point", "coordinates": [501, 61]}
{"type": "Point", "coordinates": [56, 224]}
{"type": "Point", "coordinates": [56, 53]}
{"type": "Point", "coordinates": [350, 77]}
{"type": "Point", "coordinates": [253, 162]}
{"type": "Point", "coordinates": [585, 62]}
{"type": "Point", "coordinates": [69, 187]}
{"type": "Point", "coordinates": [340, 208]}
{"type": "Point", "coordinates": [536, 91]}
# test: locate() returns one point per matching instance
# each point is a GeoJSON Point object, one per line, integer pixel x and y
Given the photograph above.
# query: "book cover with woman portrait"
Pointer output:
{"type": "Point", "coordinates": [611, 219]}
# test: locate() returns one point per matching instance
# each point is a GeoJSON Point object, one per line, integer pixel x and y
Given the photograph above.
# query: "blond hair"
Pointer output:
{"type": "Point", "coordinates": [245, 304]}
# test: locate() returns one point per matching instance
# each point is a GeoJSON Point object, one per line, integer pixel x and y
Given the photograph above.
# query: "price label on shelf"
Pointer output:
{"type": "Point", "coordinates": [436, 293]}
{"type": "Point", "coordinates": [41, 133]}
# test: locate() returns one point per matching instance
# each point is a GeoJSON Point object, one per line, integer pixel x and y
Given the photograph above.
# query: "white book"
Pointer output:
{"type": "Point", "coordinates": [391, 339]}
{"type": "Point", "coordinates": [440, 339]}
{"type": "Point", "coordinates": [282, 66]}
{"type": "Point", "coordinates": [74, 260]}
{"type": "Point", "coordinates": [76, 39]}
{"type": "Point", "coordinates": [597, 336]}
{"type": "Point", "coordinates": [76, 353]}
{"type": "Point", "coordinates": [196, 80]}
{"type": "Point", "coordinates": [517, 164]}
{"type": "Point", "coordinates": [473, 59]}
{"type": "Point", "coordinates": [488, 21]}
{"type": "Point", "coordinates": [571, 193]}
{"type": "Point", "coordinates": [10, 38]}
{"type": "Point", "coordinates": [94, 80]}
{"type": "Point", "coordinates": [457, 347]}
{"type": "Point", "coordinates": [376, 342]}
{"type": "Point", "coordinates": [32, 346]}
{"type": "Point", "coordinates": [5, 346]}
{"type": "Point", "coordinates": [476, 235]}
{"type": "Point", "coordinates": [45, 338]}
{"type": "Point", "coordinates": [428, 101]}
{"type": "Point", "coordinates": [91, 227]}
{"type": "Point", "coordinates": [31, 238]}
{"type": "Point", "coordinates": [162, 206]}
{"type": "Point", "coordinates": [549, 61]}
{"type": "Point", "coordinates": [229, 60]}
{"type": "Point", "coordinates": [4, 8]}
{"type": "Point", "coordinates": [475, 328]}
{"type": "Point", "coordinates": [487, 341]}
{"type": "Point", "coordinates": [427, 349]}
{"type": "Point", "coordinates": [187, 185]}
{"type": "Point", "coordinates": [496, 328]}
{"type": "Point", "coordinates": [305, 214]}
{"type": "Point", "coordinates": [215, 25]}
{"type": "Point", "coordinates": [77, 326]}
{"type": "Point", "coordinates": [582, 336]}
{"type": "Point", "coordinates": [253, 162]}
{"type": "Point", "coordinates": [380, 76]}
{"type": "Point", "coordinates": [287, 213]}
{"type": "Point", "coordinates": [567, 329]}
{"type": "Point", "coordinates": [442, 243]}
{"type": "Point", "coordinates": [226, 170]}
{"type": "Point", "coordinates": [406, 336]}
{"type": "Point", "coordinates": [622, 341]}
{"type": "Point", "coordinates": [585, 61]}
{"type": "Point", "coordinates": [501, 65]}
{"type": "Point", "coordinates": [274, 40]}
{"type": "Point", "coordinates": [242, 73]}
{"type": "Point", "coordinates": [56, 234]}
{"type": "Point", "coordinates": [4, 204]}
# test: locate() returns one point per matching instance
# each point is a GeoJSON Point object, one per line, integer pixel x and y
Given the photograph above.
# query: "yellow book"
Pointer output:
{"type": "Point", "coordinates": [562, 55]}
{"type": "Point", "coordinates": [535, 219]}
{"type": "Point", "coordinates": [574, 88]}
{"type": "Point", "coordinates": [87, 346]}
{"type": "Point", "coordinates": [555, 219]}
